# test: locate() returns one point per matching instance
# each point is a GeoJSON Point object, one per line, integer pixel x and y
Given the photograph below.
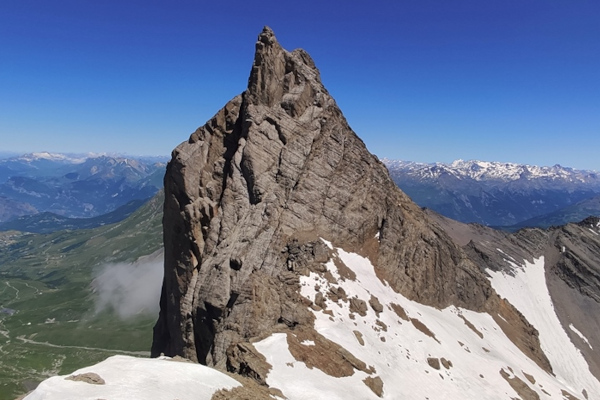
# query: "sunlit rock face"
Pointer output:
{"type": "Point", "coordinates": [284, 238]}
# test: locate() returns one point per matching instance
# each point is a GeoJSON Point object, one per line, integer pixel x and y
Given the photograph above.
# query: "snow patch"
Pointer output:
{"type": "Point", "coordinates": [528, 292]}
{"type": "Point", "coordinates": [510, 258]}
{"type": "Point", "coordinates": [571, 327]}
{"type": "Point", "coordinates": [138, 378]}
{"type": "Point", "coordinates": [298, 382]}
{"type": "Point", "coordinates": [328, 244]}
{"type": "Point", "coordinates": [456, 363]}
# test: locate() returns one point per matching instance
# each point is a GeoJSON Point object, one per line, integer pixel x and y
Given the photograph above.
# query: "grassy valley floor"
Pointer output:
{"type": "Point", "coordinates": [49, 319]}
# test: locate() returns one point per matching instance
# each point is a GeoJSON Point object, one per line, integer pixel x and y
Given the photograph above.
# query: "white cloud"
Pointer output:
{"type": "Point", "coordinates": [130, 288]}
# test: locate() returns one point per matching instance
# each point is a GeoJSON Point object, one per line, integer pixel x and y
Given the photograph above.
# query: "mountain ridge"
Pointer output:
{"type": "Point", "coordinates": [74, 186]}
{"type": "Point", "coordinates": [47, 222]}
{"type": "Point", "coordinates": [493, 193]}
{"type": "Point", "coordinates": [496, 170]}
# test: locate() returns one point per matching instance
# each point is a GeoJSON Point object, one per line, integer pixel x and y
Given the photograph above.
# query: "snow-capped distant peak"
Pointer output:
{"type": "Point", "coordinates": [488, 170]}
{"type": "Point", "coordinates": [44, 155]}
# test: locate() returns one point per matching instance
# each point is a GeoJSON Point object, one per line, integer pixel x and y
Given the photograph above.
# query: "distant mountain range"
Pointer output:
{"type": "Point", "coordinates": [74, 186]}
{"type": "Point", "coordinates": [47, 222]}
{"type": "Point", "coordinates": [45, 192]}
{"type": "Point", "coordinates": [500, 194]}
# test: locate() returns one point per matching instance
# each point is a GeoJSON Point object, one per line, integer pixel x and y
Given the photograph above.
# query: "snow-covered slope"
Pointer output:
{"type": "Point", "coordinates": [127, 378]}
{"type": "Point", "coordinates": [526, 289]}
{"type": "Point", "coordinates": [419, 352]}
{"type": "Point", "coordinates": [371, 342]}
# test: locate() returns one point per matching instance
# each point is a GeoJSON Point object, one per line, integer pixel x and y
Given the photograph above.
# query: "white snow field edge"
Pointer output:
{"type": "Point", "coordinates": [527, 290]}
{"type": "Point", "coordinates": [401, 360]}
{"type": "Point", "coordinates": [129, 378]}
{"type": "Point", "coordinates": [578, 333]}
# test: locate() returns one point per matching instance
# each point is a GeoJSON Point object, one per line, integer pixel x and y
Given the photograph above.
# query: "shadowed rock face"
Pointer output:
{"type": "Point", "coordinates": [251, 192]}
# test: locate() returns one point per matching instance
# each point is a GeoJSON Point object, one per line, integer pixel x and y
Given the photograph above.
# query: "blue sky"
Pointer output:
{"type": "Point", "coordinates": [419, 80]}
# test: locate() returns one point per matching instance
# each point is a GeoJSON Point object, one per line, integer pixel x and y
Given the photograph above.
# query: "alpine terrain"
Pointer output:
{"type": "Point", "coordinates": [500, 194]}
{"type": "Point", "coordinates": [294, 263]}
{"type": "Point", "coordinates": [60, 186]}
{"type": "Point", "coordinates": [75, 297]}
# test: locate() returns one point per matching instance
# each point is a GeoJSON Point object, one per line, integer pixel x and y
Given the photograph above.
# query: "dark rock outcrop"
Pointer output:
{"type": "Point", "coordinates": [247, 198]}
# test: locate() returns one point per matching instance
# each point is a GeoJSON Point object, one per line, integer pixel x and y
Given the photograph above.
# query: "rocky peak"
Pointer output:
{"type": "Point", "coordinates": [249, 199]}
{"type": "Point", "coordinates": [278, 76]}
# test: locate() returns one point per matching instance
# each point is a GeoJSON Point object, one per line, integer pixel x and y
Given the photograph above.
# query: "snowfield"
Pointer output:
{"type": "Point", "coordinates": [382, 344]}
{"type": "Point", "coordinates": [130, 378]}
{"type": "Point", "coordinates": [479, 359]}
{"type": "Point", "coordinates": [527, 291]}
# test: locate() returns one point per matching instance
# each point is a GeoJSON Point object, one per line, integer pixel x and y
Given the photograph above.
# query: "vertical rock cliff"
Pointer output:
{"type": "Point", "coordinates": [250, 194]}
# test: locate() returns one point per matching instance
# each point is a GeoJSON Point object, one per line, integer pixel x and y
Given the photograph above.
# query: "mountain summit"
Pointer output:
{"type": "Point", "coordinates": [291, 257]}
{"type": "Point", "coordinates": [250, 194]}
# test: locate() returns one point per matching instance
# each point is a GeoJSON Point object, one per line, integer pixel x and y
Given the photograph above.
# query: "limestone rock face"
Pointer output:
{"type": "Point", "coordinates": [250, 194]}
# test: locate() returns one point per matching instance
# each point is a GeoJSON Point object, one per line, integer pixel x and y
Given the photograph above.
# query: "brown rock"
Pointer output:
{"type": "Point", "coordinates": [244, 359]}
{"type": "Point", "coordinates": [423, 328]}
{"type": "Point", "coordinates": [88, 377]}
{"type": "Point", "coordinates": [524, 391]}
{"type": "Point", "coordinates": [375, 384]}
{"type": "Point", "coordinates": [358, 306]}
{"type": "Point", "coordinates": [399, 311]}
{"type": "Point", "coordinates": [247, 198]}
{"type": "Point", "coordinates": [446, 363]}
{"type": "Point", "coordinates": [320, 300]}
{"type": "Point", "coordinates": [359, 337]}
{"type": "Point", "coordinates": [433, 362]}
{"type": "Point", "coordinates": [249, 390]}
{"type": "Point", "coordinates": [375, 305]}
{"type": "Point", "coordinates": [325, 355]}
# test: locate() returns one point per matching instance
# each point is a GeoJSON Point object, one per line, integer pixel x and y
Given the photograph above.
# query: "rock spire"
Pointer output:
{"type": "Point", "coordinates": [250, 194]}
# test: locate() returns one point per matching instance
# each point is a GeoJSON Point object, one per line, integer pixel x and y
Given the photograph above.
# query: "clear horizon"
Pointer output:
{"type": "Point", "coordinates": [417, 81]}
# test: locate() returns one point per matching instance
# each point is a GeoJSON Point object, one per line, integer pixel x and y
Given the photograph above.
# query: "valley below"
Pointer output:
{"type": "Point", "coordinates": [50, 322]}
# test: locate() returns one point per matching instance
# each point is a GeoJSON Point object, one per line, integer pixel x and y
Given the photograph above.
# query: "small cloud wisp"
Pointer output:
{"type": "Point", "coordinates": [129, 289]}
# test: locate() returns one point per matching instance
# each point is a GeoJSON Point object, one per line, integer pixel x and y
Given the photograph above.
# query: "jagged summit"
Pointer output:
{"type": "Point", "coordinates": [280, 76]}
{"type": "Point", "coordinates": [278, 223]}
{"type": "Point", "coordinates": [248, 198]}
